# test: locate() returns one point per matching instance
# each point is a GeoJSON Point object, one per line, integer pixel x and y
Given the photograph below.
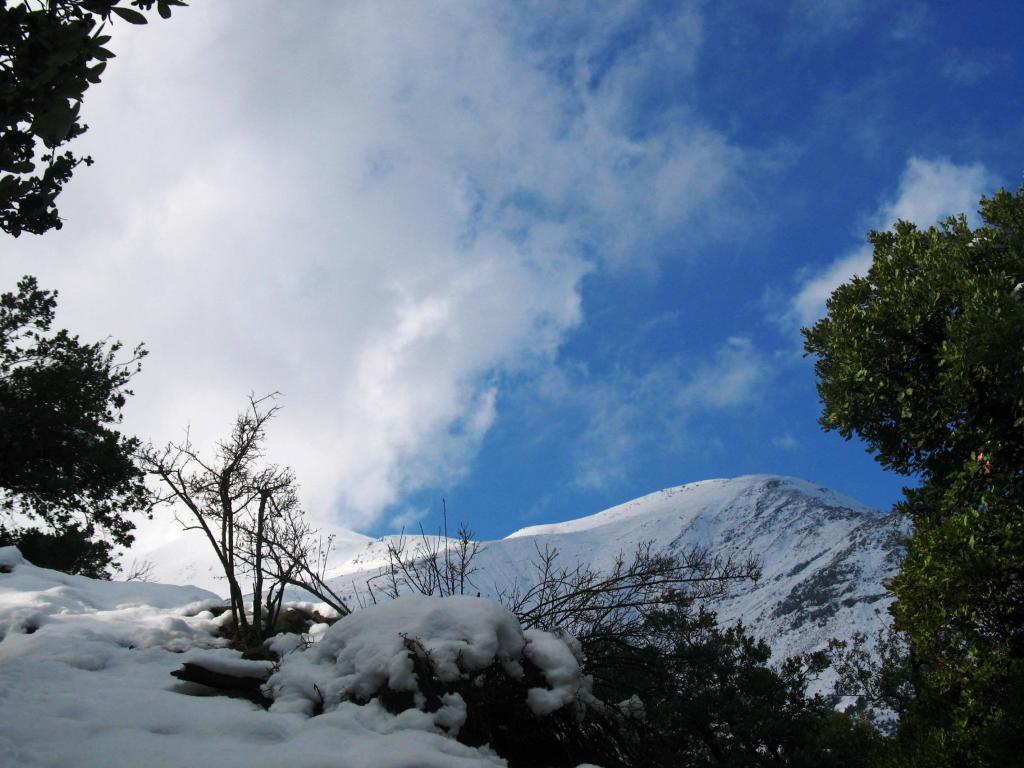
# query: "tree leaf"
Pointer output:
{"type": "Point", "coordinates": [99, 7]}
{"type": "Point", "coordinates": [130, 15]}
{"type": "Point", "coordinates": [93, 73]}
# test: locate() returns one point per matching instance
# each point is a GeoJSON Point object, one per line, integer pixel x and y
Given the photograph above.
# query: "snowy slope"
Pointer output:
{"type": "Point", "coordinates": [84, 665]}
{"type": "Point", "coordinates": [185, 557]}
{"type": "Point", "coordinates": [85, 681]}
{"type": "Point", "coordinates": [824, 555]}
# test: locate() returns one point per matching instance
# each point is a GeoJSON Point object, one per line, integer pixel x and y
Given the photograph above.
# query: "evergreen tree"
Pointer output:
{"type": "Point", "coordinates": [709, 696]}
{"type": "Point", "coordinates": [923, 358]}
{"type": "Point", "coordinates": [62, 461]}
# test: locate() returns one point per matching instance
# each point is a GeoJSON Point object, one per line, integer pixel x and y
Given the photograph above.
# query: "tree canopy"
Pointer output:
{"type": "Point", "coordinates": [50, 53]}
{"type": "Point", "coordinates": [710, 696]}
{"type": "Point", "coordinates": [923, 358]}
{"type": "Point", "coordinates": [62, 461]}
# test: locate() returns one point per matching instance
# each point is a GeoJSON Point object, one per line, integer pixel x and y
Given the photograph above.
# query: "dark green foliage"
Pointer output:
{"type": "Point", "coordinates": [62, 462]}
{"type": "Point", "coordinates": [50, 53]}
{"type": "Point", "coordinates": [874, 676]}
{"type": "Point", "coordinates": [923, 358]}
{"type": "Point", "coordinates": [711, 698]}
{"type": "Point", "coordinates": [72, 550]}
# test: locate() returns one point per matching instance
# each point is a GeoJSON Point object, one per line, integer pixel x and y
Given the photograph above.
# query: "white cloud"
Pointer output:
{"type": "Point", "coordinates": [786, 442]}
{"type": "Point", "coordinates": [929, 190]}
{"type": "Point", "coordinates": [623, 413]}
{"type": "Point", "coordinates": [376, 209]}
{"type": "Point", "coordinates": [910, 22]}
{"type": "Point", "coordinates": [407, 519]}
{"type": "Point", "coordinates": [809, 304]}
{"type": "Point", "coordinates": [627, 412]}
{"type": "Point", "coordinates": [969, 68]}
{"type": "Point", "coordinates": [812, 22]}
{"type": "Point", "coordinates": [732, 378]}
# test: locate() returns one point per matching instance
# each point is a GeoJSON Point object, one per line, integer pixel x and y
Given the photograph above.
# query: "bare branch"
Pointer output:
{"type": "Point", "coordinates": [139, 570]}
{"type": "Point", "coordinates": [589, 604]}
{"type": "Point", "coordinates": [250, 513]}
{"type": "Point", "coordinates": [432, 566]}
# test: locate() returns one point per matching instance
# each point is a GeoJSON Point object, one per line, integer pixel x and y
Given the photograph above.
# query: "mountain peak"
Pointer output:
{"type": "Point", "coordinates": [706, 498]}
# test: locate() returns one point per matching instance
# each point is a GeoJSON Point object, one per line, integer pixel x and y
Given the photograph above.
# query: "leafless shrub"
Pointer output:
{"type": "Point", "coordinates": [612, 606]}
{"type": "Point", "coordinates": [593, 606]}
{"type": "Point", "coordinates": [288, 551]}
{"type": "Point", "coordinates": [429, 566]}
{"type": "Point", "coordinates": [139, 570]}
{"type": "Point", "coordinates": [250, 513]}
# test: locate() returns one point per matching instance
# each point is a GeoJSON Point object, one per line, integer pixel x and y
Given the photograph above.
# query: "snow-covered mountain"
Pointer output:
{"type": "Point", "coordinates": [85, 665]}
{"type": "Point", "coordinates": [824, 555]}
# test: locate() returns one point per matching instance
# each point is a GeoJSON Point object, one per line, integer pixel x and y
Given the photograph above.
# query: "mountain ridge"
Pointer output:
{"type": "Point", "coordinates": [610, 514]}
{"type": "Point", "coordinates": [824, 555]}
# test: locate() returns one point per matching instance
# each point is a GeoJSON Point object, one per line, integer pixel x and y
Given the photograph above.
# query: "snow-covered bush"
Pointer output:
{"type": "Point", "coordinates": [460, 664]}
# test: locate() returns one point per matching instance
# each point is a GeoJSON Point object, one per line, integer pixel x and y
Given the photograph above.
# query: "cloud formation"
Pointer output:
{"type": "Point", "coordinates": [379, 210]}
{"type": "Point", "coordinates": [730, 379]}
{"type": "Point", "coordinates": [929, 190]}
{"type": "Point", "coordinates": [625, 413]}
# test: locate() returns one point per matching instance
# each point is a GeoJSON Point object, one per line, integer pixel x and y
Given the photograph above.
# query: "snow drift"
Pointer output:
{"type": "Point", "coordinates": [85, 679]}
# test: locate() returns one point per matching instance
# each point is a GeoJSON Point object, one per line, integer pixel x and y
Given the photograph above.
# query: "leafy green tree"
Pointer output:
{"type": "Point", "coordinates": [923, 359]}
{"type": "Point", "coordinates": [709, 696]}
{"type": "Point", "coordinates": [62, 461]}
{"type": "Point", "coordinates": [50, 53]}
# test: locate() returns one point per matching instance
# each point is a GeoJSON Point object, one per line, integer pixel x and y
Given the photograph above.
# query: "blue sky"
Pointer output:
{"type": "Point", "coordinates": [833, 104]}
{"type": "Point", "coordinates": [535, 258]}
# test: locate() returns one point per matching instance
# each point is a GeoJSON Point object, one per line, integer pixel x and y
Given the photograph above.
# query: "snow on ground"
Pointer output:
{"type": "Point", "coordinates": [85, 679]}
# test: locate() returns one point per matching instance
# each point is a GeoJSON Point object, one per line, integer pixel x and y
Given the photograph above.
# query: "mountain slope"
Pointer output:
{"type": "Point", "coordinates": [824, 555]}
{"type": "Point", "coordinates": [186, 557]}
